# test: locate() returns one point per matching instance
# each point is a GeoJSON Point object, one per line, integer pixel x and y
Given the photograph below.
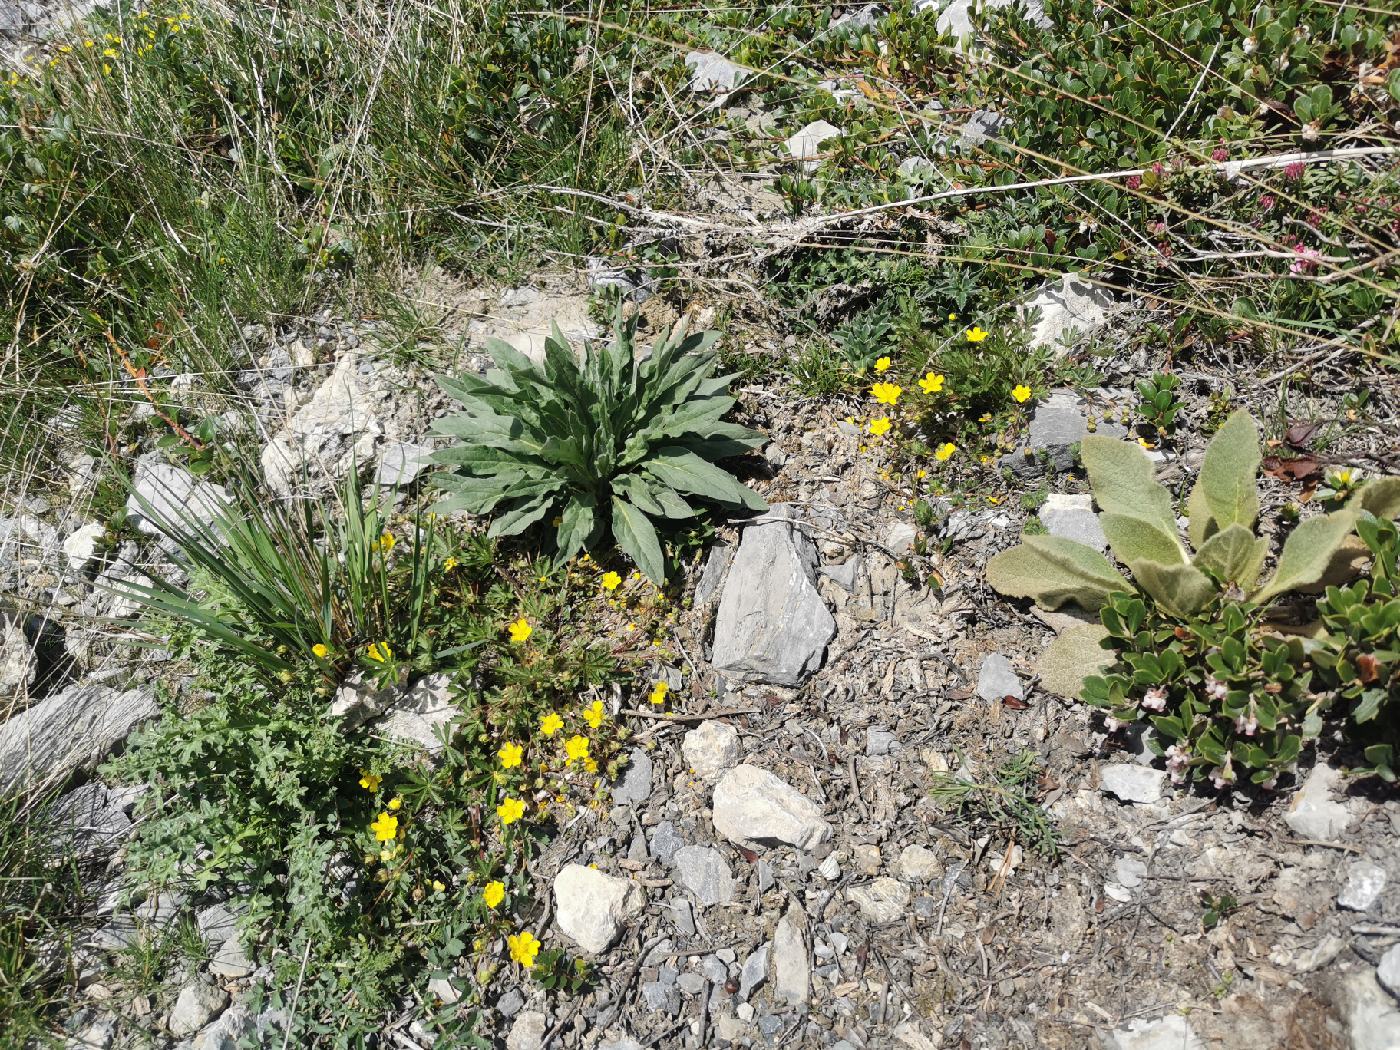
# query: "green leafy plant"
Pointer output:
{"type": "Point", "coordinates": [1139, 520]}
{"type": "Point", "coordinates": [1358, 656]}
{"type": "Point", "coordinates": [1007, 801]}
{"type": "Point", "coordinates": [598, 448]}
{"type": "Point", "coordinates": [281, 582]}
{"type": "Point", "coordinates": [1157, 401]}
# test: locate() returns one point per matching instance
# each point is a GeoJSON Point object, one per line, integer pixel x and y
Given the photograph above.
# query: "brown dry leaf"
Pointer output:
{"type": "Point", "coordinates": [1300, 434]}
{"type": "Point", "coordinates": [1304, 470]}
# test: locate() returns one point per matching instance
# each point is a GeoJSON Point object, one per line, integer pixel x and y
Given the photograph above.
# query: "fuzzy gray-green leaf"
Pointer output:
{"type": "Point", "coordinates": [1226, 491]}
{"type": "Point", "coordinates": [1125, 486]}
{"type": "Point", "coordinates": [1052, 571]}
{"type": "Point", "coordinates": [1072, 656]}
{"type": "Point", "coordinates": [1233, 555]}
{"type": "Point", "coordinates": [1307, 553]}
{"type": "Point", "coordinates": [1180, 589]}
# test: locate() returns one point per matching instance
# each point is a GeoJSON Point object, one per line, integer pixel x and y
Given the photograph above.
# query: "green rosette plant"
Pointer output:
{"type": "Point", "coordinates": [597, 445]}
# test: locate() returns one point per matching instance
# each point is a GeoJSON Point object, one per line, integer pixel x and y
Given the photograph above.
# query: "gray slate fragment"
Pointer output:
{"type": "Point", "coordinates": [198, 1002]}
{"type": "Point", "coordinates": [661, 998]}
{"type": "Point", "coordinates": [1166, 1033]}
{"type": "Point", "coordinates": [705, 873]}
{"type": "Point", "coordinates": [806, 144]}
{"type": "Point", "coordinates": [665, 841]}
{"type": "Point", "coordinates": [511, 1003]}
{"type": "Point", "coordinates": [754, 971]}
{"type": "Point", "coordinates": [635, 786]}
{"type": "Point", "coordinates": [711, 72]}
{"type": "Point", "coordinates": [162, 492]}
{"type": "Point", "coordinates": [1057, 425]}
{"type": "Point", "coordinates": [792, 969]}
{"type": "Point", "coordinates": [400, 463]}
{"type": "Point", "coordinates": [772, 624]}
{"type": "Point", "coordinates": [1073, 518]}
{"type": "Point", "coordinates": [998, 679]}
{"type": "Point", "coordinates": [1313, 814]}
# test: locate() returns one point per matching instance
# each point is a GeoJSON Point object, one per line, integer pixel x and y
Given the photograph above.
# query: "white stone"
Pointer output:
{"type": "Point", "coordinates": [918, 864]}
{"type": "Point", "coordinates": [1132, 782]}
{"type": "Point", "coordinates": [166, 494]}
{"type": "Point", "coordinates": [997, 679]}
{"type": "Point", "coordinates": [1370, 1016]}
{"type": "Point", "coordinates": [443, 990]}
{"type": "Point", "coordinates": [195, 1006]}
{"type": "Point", "coordinates": [711, 749]}
{"type": "Point", "coordinates": [806, 144]}
{"type": "Point", "coordinates": [17, 664]}
{"type": "Point", "coordinates": [1166, 1033]}
{"type": "Point", "coordinates": [1363, 887]}
{"type": "Point", "coordinates": [73, 729]}
{"type": "Point", "coordinates": [528, 1031]}
{"type": "Point", "coordinates": [792, 969]}
{"type": "Point", "coordinates": [1388, 971]}
{"type": "Point", "coordinates": [1312, 814]}
{"type": "Point", "coordinates": [772, 624]}
{"type": "Point", "coordinates": [882, 901]}
{"type": "Point", "coordinates": [400, 463]}
{"type": "Point", "coordinates": [419, 715]}
{"type": "Point", "coordinates": [1067, 310]}
{"type": "Point", "coordinates": [524, 317]}
{"type": "Point", "coordinates": [751, 806]}
{"type": "Point", "coordinates": [591, 907]}
{"type": "Point", "coordinates": [81, 546]}
{"type": "Point", "coordinates": [711, 72]}
{"type": "Point", "coordinates": [1073, 518]}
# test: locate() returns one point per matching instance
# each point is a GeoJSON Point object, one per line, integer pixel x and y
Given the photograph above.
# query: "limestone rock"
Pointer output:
{"type": "Point", "coordinates": [772, 625]}
{"type": "Point", "coordinates": [1132, 782]}
{"type": "Point", "coordinates": [1057, 425]}
{"type": "Point", "coordinates": [1166, 1033]}
{"type": "Point", "coordinates": [70, 730]}
{"type": "Point", "coordinates": [528, 1031]}
{"type": "Point", "coordinates": [1073, 518]}
{"type": "Point", "coordinates": [752, 806]}
{"type": "Point", "coordinates": [882, 901]}
{"type": "Point", "coordinates": [710, 72]}
{"type": "Point", "coordinates": [195, 1006]}
{"type": "Point", "coordinates": [918, 864]}
{"type": "Point", "coordinates": [805, 146]}
{"type": "Point", "coordinates": [1312, 814]}
{"type": "Point", "coordinates": [997, 679]}
{"type": "Point", "coordinates": [1364, 885]}
{"type": "Point", "coordinates": [400, 463]}
{"type": "Point", "coordinates": [711, 748]}
{"type": "Point", "coordinates": [17, 663]}
{"type": "Point", "coordinates": [80, 548]}
{"type": "Point", "coordinates": [792, 969]}
{"type": "Point", "coordinates": [1066, 310]}
{"type": "Point", "coordinates": [419, 715]}
{"type": "Point", "coordinates": [591, 907]}
{"type": "Point", "coordinates": [164, 493]}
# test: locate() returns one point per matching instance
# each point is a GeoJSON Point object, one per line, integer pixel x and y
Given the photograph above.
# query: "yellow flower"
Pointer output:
{"type": "Point", "coordinates": [1341, 478]}
{"type": "Point", "coordinates": [510, 755]}
{"type": "Point", "coordinates": [449, 564]}
{"type": "Point", "coordinates": [931, 383]}
{"type": "Point", "coordinates": [882, 365]}
{"type": "Point", "coordinates": [396, 804]}
{"type": "Point", "coordinates": [438, 886]}
{"type": "Point", "coordinates": [880, 426]}
{"type": "Point", "coordinates": [975, 334]}
{"type": "Point", "coordinates": [551, 724]}
{"type": "Point", "coordinates": [386, 827]}
{"type": "Point", "coordinates": [385, 542]}
{"type": "Point", "coordinates": [591, 765]}
{"type": "Point", "coordinates": [379, 652]}
{"type": "Point", "coordinates": [611, 581]}
{"type": "Point", "coordinates": [523, 948]}
{"type": "Point", "coordinates": [370, 781]}
{"type": "Point", "coordinates": [952, 317]}
{"type": "Point", "coordinates": [320, 650]}
{"type": "Point", "coordinates": [1021, 393]}
{"type": "Point", "coordinates": [520, 630]}
{"type": "Point", "coordinates": [886, 393]}
{"type": "Point", "coordinates": [494, 893]}
{"type": "Point", "coordinates": [593, 714]}
{"type": "Point", "coordinates": [945, 451]}
{"type": "Point", "coordinates": [576, 748]}
{"type": "Point", "coordinates": [107, 52]}
{"type": "Point", "coordinates": [658, 693]}
{"type": "Point", "coordinates": [511, 810]}
{"type": "Point", "coordinates": [106, 69]}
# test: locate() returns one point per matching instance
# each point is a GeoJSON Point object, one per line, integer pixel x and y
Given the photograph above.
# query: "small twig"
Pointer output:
{"type": "Point", "coordinates": [139, 374]}
{"type": "Point", "coordinates": [855, 790]}
{"type": "Point", "coordinates": [678, 716]}
{"type": "Point", "coordinates": [296, 994]}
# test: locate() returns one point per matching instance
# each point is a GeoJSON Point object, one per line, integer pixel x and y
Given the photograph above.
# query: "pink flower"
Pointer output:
{"type": "Point", "coordinates": [1112, 724]}
{"type": "Point", "coordinates": [1218, 154]}
{"type": "Point", "coordinates": [1216, 689]}
{"type": "Point", "coordinates": [1306, 261]}
{"type": "Point", "coordinates": [1133, 182]}
{"type": "Point", "coordinates": [1155, 699]}
{"type": "Point", "coordinates": [1178, 761]}
{"type": "Point", "coordinates": [1293, 171]}
{"type": "Point", "coordinates": [1266, 202]}
{"type": "Point", "coordinates": [1157, 168]}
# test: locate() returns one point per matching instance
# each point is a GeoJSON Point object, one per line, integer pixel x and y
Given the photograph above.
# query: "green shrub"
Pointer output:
{"type": "Point", "coordinates": [1158, 403]}
{"type": "Point", "coordinates": [595, 449]}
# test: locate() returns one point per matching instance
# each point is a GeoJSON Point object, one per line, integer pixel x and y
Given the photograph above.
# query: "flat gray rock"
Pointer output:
{"type": "Point", "coordinates": [18, 665]}
{"type": "Point", "coordinates": [417, 716]}
{"type": "Point", "coordinates": [1166, 1033]}
{"type": "Point", "coordinates": [751, 806]}
{"type": "Point", "coordinates": [1058, 424]}
{"type": "Point", "coordinates": [754, 971]}
{"type": "Point", "coordinates": [400, 463]}
{"type": "Point", "coordinates": [806, 144]}
{"type": "Point", "coordinates": [711, 749]}
{"type": "Point", "coordinates": [711, 72]}
{"type": "Point", "coordinates": [882, 901]}
{"type": "Point", "coordinates": [1132, 782]}
{"type": "Point", "coordinates": [635, 786]}
{"type": "Point", "coordinates": [772, 625]}
{"type": "Point", "coordinates": [71, 730]}
{"type": "Point", "coordinates": [705, 873]}
{"type": "Point", "coordinates": [1363, 887]}
{"type": "Point", "coordinates": [164, 493]}
{"type": "Point", "coordinates": [1066, 310]}
{"type": "Point", "coordinates": [792, 966]}
{"type": "Point", "coordinates": [1313, 814]}
{"type": "Point", "coordinates": [1388, 970]}
{"type": "Point", "coordinates": [1073, 518]}
{"type": "Point", "coordinates": [196, 1005]}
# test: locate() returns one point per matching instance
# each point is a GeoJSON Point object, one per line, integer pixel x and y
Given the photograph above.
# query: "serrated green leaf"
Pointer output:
{"type": "Point", "coordinates": [1052, 571]}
